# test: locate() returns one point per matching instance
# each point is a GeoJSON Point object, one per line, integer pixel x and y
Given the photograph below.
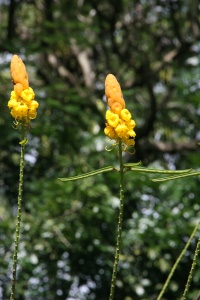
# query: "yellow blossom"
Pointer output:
{"type": "Point", "coordinates": [13, 95]}
{"type": "Point", "coordinates": [130, 124]}
{"type": "Point", "coordinates": [121, 130]}
{"type": "Point", "coordinates": [110, 132]}
{"type": "Point", "coordinates": [19, 110]}
{"type": "Point", "coordinates": [12, 103]}
{"type": "Point", "coordinates": [112, 119]}
{"type": "Point", "coordinates": [125, 114]}
{"type": "Point", "coordinates": [34, 104]}
{"type": "Point", "coordinates": [28, 94]}
{"type": "Point", "coordinates": [131, 133]}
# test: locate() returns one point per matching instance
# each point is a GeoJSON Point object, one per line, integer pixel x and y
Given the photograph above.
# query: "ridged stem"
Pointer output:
{"type": "Point", "coordinates": [119, 226]}
{"type": "Point", "coordinates": [176, 263]}
{"type": "Point", "coordinates": [17, 229]}
{"type": "Point", "coordinates": [191, 271]}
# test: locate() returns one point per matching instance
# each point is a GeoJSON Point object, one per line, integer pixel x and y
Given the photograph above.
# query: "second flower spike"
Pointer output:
{"type": "Point", "coordinates": [120, 125]}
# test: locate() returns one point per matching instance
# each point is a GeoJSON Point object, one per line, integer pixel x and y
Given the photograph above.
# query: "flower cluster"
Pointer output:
{"type": "Point", "coordinates": [120, 124]}
{"type": "Point", "coordinates": [22, 104]}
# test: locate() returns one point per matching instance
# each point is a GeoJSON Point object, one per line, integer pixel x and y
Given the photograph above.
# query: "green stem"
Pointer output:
{"type": "Point", "coordinates": [119, 226]}
{"type": "Point", "coordinates": [177, 262]}
{"type": "Point", "coordinates": [17, 230]}
{"type": "Point", "coordinates": [191, 271]}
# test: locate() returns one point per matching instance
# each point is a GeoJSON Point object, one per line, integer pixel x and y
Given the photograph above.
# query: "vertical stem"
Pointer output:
{"type": "Point", "coordinates": [191, 271]}
{"type": "Point", "coordinates": [17, 230]}
{"type": "Point", "coordinates": [119, 226]}
{"type": "Point", "coordinates": [177, 262]}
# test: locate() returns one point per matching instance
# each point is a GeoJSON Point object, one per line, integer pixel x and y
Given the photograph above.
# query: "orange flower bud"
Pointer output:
{"type": "Point", "coordinates": [18, 88]}
{"type": "Point", "coordinates": [113, 90]}
{"type": "Point", "coordinates": [110, 102]}
{"type": "Point", "coordinates": [116, 108]}
{"type": "Point", "coordinates": [18, 74]}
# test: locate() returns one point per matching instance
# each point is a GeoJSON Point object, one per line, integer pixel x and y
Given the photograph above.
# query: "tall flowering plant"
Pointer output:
{"type": "Point", "coordinates": [120, 127]}
{"type": "Point", "coordinates": [23, 106]}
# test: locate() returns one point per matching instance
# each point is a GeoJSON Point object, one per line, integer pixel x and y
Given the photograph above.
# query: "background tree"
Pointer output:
{"type": "Point", "coordinates": [68, 230]}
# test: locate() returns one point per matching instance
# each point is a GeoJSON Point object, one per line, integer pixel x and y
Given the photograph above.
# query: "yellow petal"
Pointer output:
{"type": "Point", "coordinates": [125, 114]}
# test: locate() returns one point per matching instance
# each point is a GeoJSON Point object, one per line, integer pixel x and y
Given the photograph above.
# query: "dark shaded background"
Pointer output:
{"type": "Point", "coordinates": [68, 230]}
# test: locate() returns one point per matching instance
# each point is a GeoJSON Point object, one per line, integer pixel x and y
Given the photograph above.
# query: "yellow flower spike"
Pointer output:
{"type": "Point", "coordinates": [119, 126]}
{"type": "Point", "coordinates": [22, 104]}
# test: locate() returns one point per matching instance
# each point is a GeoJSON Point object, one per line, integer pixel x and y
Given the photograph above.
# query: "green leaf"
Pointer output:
{"type": "Point", "coordinates": [23, 142]}
{"type": "Point", "coordinates": [89, 174]}
{"type": "Point", "coordinates": [175, 177]}
{"type": "Point", "coordinates": [146, 170]}
{"type": "Point", "coordinates": [132, 164]}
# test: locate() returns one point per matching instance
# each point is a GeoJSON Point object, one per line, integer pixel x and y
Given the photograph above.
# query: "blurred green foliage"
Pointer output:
{"type": "Point", "coordinates": [69, 229]}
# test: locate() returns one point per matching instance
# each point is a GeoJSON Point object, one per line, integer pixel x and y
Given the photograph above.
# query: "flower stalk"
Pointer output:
{"type": "Point", "coordinates": [119, 225]}
{"type": "Point", "coordinates": [190, 276]}
{"type": "Point", "coordinates": [177, 263]}
{"type": "Point", "coordinates": [23, 106]}
{"type": "Point", "coordinates": [18, 223]}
